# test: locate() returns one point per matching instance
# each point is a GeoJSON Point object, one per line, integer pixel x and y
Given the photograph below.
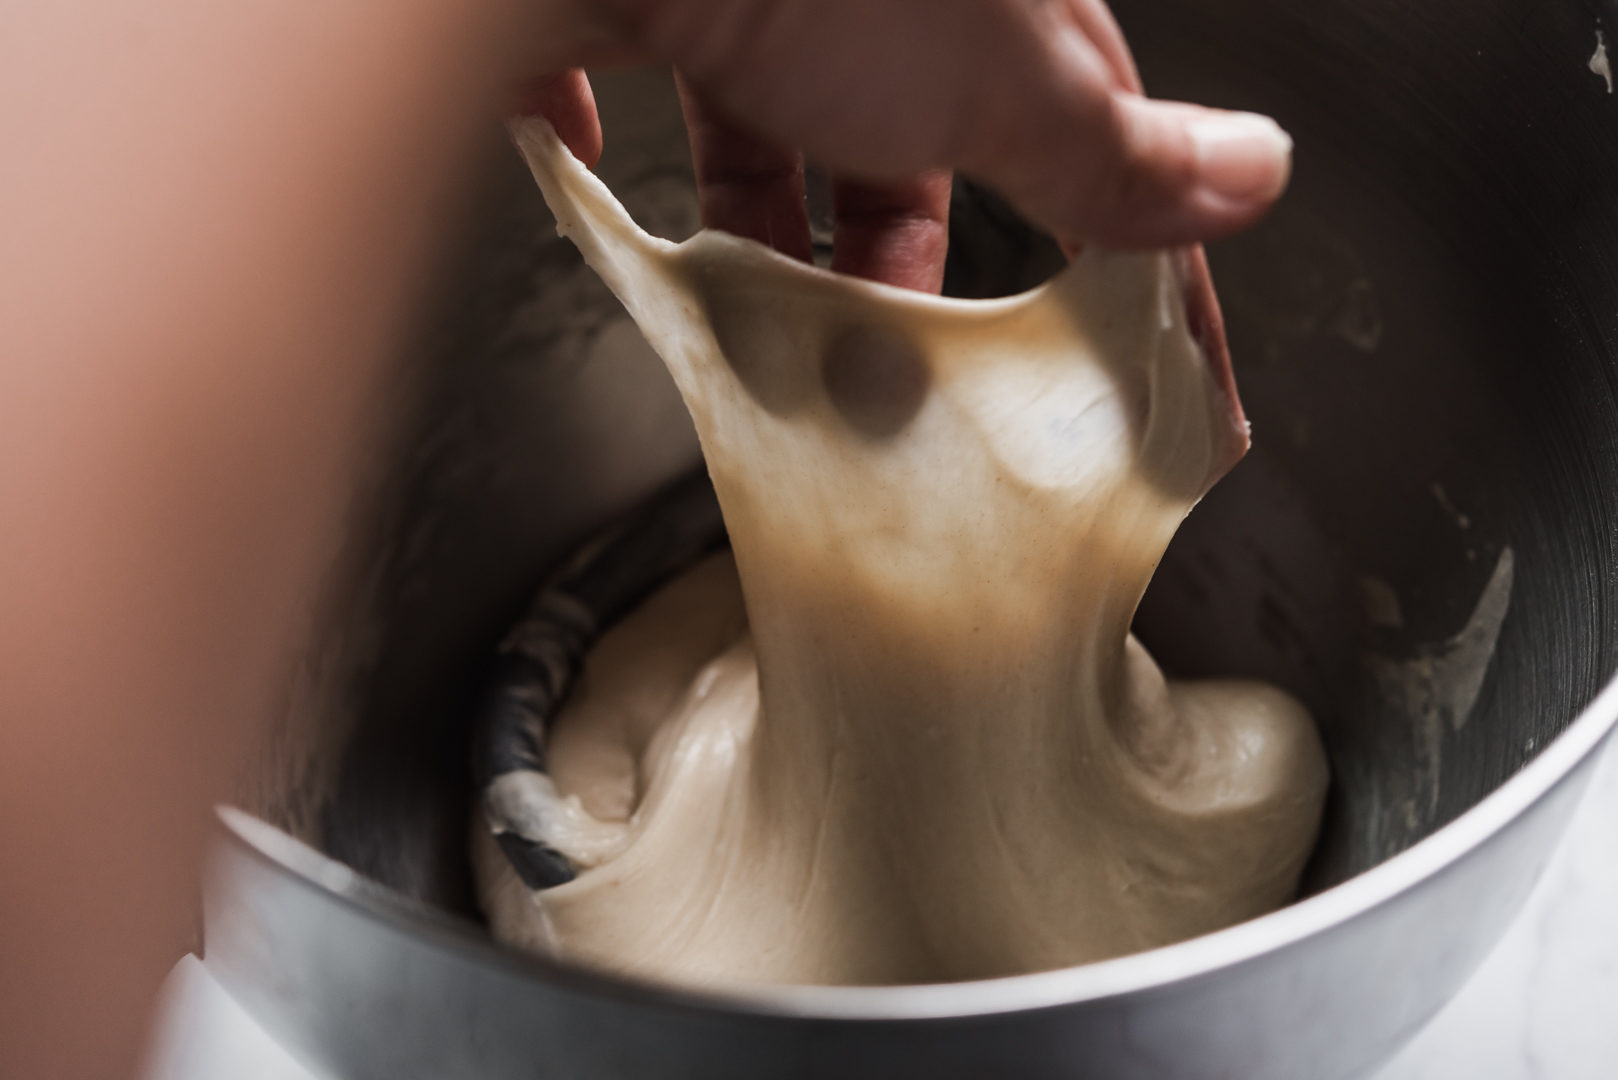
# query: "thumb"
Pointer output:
{"type": "Point", "coordinates": [1142, 173]}
{"type": "Point", "coordinates": [1190, 171]}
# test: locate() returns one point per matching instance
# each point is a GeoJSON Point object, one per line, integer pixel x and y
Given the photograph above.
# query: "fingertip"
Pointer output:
{"type": "Point", "coordinates": [567, 101]}
{"type": "Point", "coordinates": [1242, 159]}
{"type": "Point", "coordinates": [1191, 174]}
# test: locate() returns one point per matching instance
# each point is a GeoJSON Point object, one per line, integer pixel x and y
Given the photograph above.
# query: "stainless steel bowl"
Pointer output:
{"type": "Point", "coordinates": [1426, 334]}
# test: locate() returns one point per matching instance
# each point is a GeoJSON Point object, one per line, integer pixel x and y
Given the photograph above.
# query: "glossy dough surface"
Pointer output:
{"type": "Point", "coordinates": [903, 734]}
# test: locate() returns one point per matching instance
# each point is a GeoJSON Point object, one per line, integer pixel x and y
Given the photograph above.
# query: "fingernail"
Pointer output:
{"type": "Point", "coordinates": [1243, 157]}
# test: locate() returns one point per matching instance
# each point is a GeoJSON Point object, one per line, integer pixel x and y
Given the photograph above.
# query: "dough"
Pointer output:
{"type": "Point", "coordinates": [926, 748]}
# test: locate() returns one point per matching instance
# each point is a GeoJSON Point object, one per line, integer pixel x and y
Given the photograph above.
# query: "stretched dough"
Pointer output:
{"type": "Point", "coordinates": [926, 748]}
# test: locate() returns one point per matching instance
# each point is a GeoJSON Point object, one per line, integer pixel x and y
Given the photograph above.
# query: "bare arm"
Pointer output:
{"type": "Point", "coordinates": [213, 215]}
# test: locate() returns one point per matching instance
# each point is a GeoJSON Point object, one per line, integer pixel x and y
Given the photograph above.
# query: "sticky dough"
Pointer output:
{"type": "Point", "coordinates": [903, 734]}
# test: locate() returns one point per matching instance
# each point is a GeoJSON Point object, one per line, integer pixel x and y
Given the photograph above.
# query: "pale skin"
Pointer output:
{"type": "Point", "coordinates": [216, 219]}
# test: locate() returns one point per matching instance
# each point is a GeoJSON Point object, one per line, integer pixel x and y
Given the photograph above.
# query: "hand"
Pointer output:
{"type": "Point", "coordinates": [1039, 100]}
{"type": "Point", "coordinates": [1129, 171]}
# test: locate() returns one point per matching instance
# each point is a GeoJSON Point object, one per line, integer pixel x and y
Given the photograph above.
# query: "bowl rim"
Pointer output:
{"type": "Point", "coordinates": [1137, 972]}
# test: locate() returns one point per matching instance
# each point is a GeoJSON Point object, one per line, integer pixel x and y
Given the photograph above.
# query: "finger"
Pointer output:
{"type": "Point", "coordinates": [746, 186]}
{"type": "Point", "coordinates": [1140, 173]}
{"type": "Point", "coordinates": [1189, 171]}
{"type": "Point", "coordinates": [1027, 97]}
{"type": "Point", "coordinates": [567, 101]}
{"type": "Point", "coordinates": [897, 234]}
{"type": "Point", "coordinates": [1125, 171]}
{"type": "Point", "coordinates": [1130, 172]}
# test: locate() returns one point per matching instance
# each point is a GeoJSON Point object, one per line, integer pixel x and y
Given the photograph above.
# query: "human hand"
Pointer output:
{"type": "Point", "coordinates": [1042, 102]}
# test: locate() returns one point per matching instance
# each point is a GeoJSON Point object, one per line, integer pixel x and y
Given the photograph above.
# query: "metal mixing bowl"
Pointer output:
{"type": "Point", "coordinates": [1426, 335]}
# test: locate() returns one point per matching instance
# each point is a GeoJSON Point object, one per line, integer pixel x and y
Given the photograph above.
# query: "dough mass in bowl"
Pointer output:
{"type": "Point", "coordinates": [901, 733]}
